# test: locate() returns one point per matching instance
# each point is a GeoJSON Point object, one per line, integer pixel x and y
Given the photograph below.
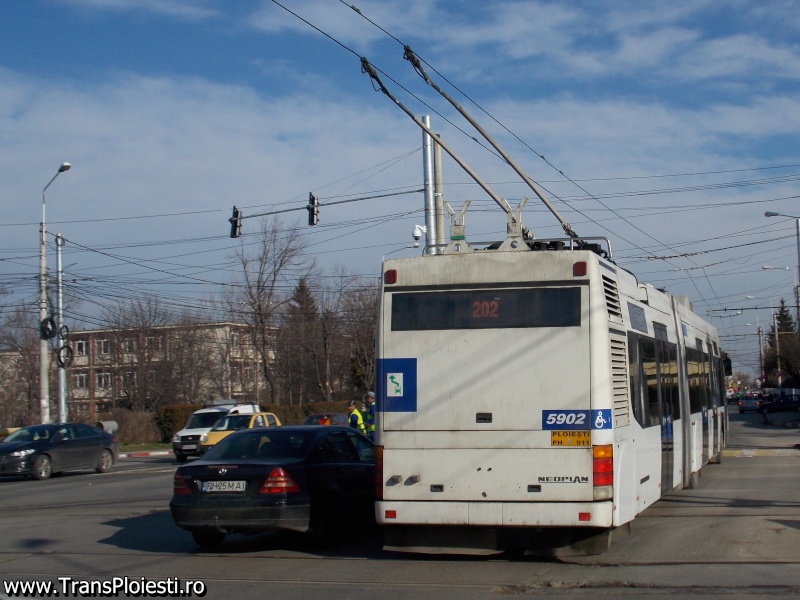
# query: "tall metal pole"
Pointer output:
{"type": "Point", "coordinates": [438, 192]}
{"type": "Point", "coordinates": [62, 368]}
{"type": "Point", "coordinates": [427, 167]}
{"type": "Point", "coordinates": [777, 346]}
{"type": "Point", "coordinates": [44, 355]}
{"type": "Point", "coordinates": [797, 281]}
{"type": "Point", "coordinates": [769, 213]}
{"type": "Point", "coordinates": [761, 357]}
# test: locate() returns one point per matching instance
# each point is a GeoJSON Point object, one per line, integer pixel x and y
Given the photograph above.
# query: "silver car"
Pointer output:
{"type": "Point", "coordinates": [749, 403]}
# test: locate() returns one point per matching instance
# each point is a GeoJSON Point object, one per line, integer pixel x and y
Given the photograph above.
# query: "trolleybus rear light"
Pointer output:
{"type": "Point", "coordinates": [579, 269]}
{"type": "Point", "coordinates": [390, 276]}
{"type": "Point", "coordinates": [584, 516]}
{"type": "Point", "coordinates": [603, 465]}
{"type": "Point", "coordinates": [390, 514]}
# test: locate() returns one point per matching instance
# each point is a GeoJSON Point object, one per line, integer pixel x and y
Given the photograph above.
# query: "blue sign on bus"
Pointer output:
{"type": "Point", "coordinates": [396, 384]}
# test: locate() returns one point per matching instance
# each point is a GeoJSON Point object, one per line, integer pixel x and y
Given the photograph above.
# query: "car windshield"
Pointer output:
{"type": "Point", "coordinates": [232, 423]}
{"type": "Point", "coordinates": [256, 443]}
{"type": "Point", "coordinates": [202, 420]}
{"type": "Point", "coordinates": [29, 434]}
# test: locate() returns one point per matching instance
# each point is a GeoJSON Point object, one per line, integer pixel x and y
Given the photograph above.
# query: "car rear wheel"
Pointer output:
{"type": "Point", "coordinates": [208, 539]}
{"type": "Point", "coordinates": [42, 467]}
{"type": "Point", "coordinates": [104, 462]}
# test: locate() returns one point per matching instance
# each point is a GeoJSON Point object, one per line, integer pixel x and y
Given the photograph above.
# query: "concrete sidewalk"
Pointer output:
{"type": "Point", "coordinates": [783, 419]}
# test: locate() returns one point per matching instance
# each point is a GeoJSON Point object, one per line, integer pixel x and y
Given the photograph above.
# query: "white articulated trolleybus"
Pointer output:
{"type": "Point", "coordinates": [535, 395]}
{"type": "Point", "coordinates": [531, 393]}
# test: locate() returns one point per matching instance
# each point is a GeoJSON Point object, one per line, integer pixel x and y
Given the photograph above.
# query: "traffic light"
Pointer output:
{"type": "Point", "coordinates": [313, 209]}
{"type": "Point", "coordinates": [236, 223]}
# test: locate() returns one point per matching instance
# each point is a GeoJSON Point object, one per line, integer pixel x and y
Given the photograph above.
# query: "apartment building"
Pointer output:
{"type": "Point", "coordinates": [137, 368]}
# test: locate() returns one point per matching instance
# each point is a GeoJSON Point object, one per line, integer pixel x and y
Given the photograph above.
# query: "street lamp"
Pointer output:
{"type": "Point", "coordinates": [44, 355]}
{"type": "Point", "coordinates": [791, 270]}
{"type": "Point", "coordinates": [796, 287]}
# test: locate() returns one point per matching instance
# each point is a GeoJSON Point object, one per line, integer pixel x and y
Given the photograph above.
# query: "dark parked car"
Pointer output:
{"type": "Point", "coordinates": [781, 404]}
{"type": "Point", "coordinates": [314, 479]}
{"type": "Point", "coordinates": [41, 450]}
{"type": "Point", "coordinates": [325, 419]}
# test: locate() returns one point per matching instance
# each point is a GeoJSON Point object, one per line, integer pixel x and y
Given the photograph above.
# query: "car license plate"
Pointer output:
{"type": "Point", "coordinates": [223, 486]}
{"type": "Point", "coordinates": [189, 447]}
{"type": "Point", "coordinates": [570, 438]}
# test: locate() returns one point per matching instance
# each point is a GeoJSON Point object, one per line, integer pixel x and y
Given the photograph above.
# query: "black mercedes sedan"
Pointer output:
{"type": "Point", "coordinates": [310, 479]}
{"type": "Point", "coordinates": [41, 450]}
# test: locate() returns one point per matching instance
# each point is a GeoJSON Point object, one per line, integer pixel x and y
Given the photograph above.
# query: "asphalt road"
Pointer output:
{"type": "Point", "coordinates": [737, 534]}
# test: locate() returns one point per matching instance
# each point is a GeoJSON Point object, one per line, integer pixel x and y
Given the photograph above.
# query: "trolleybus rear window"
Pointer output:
{"type": "Point", "coordinates": [487, 309]}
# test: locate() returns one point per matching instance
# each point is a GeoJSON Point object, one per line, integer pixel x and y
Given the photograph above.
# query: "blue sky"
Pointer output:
{"type": "Point", "coordinates": [668, 127]}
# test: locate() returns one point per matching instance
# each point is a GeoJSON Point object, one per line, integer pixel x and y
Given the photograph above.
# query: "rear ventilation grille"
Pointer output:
{"type": "Point", "coordinates": [619, 381]}
{"type": "Point", "coordinates": [612, 300]}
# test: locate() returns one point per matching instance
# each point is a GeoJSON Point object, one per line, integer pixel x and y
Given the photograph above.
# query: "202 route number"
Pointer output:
{"type": "Point", "coordinates": [485, 309]}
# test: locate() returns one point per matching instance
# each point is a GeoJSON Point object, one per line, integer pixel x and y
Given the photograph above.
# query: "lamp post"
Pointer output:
{"type": "Point", "coordinates": [796, 288]}
{"type": "Point", "coordinates": [797, 276]}
{"type": "Point", "coordinates": [777, 346]}
{"type": "Point", "coordinates": [44, 356]}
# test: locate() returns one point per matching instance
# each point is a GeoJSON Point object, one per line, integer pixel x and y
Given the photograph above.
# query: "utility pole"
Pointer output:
{"type": "Point", "coordinates": [44, 333]}
{"type": "Point", "coordinates": [438, 191]}
{"type": "Point", "coordinates": [62, 357]}
{"type": "Point", "coordinates": [777, 346]}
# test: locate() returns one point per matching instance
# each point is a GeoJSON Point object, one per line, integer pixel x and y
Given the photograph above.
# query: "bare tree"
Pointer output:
{"type": "Point", "coordinates": [328, 351]}
{"type": "Point", "coordinates": [325, 341]}
{"type": "Point", "coordinates": [360, 316]}
{"type": "Point", "coordinates": [139, 353]}
{"type": "Point", "coordinates": [270, 266]}
{"type": "Point", "coordinates": [193, 355]}
{"type": "Point", "coordinates": [19, 368]}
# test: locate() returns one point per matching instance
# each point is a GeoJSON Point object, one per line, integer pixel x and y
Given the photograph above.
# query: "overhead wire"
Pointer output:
{"type": "Point", "coordinates": [665, 245]}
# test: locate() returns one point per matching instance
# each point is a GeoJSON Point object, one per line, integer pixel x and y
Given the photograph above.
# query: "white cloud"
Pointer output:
{"type": "Point", "coordinates": [191, 10]}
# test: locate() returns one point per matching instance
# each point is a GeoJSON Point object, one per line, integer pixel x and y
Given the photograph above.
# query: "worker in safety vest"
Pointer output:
{"type": "Point", "coordinates": [370, 417]}
{"type": "Point", "coordinates": [356, 420]}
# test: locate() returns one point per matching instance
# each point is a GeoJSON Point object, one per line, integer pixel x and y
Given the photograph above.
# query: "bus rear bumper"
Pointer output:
{"type": "Point", "coordinates": [479, 528]}
{"type": "Point", "coordinates": [496, 514]}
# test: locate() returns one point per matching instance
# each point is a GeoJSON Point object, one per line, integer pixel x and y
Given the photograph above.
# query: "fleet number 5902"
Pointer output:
{"type": "Point", "coordinates": [566, 419]}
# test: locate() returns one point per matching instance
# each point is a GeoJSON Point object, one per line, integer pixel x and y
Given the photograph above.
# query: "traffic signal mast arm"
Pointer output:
{"type": "Point", "coordinates": [236, 218]}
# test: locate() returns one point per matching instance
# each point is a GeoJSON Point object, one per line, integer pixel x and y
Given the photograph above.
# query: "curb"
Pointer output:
{"type": "Point", "coordinates": [777, 422]}
{"type": "Point", "coordinates": [145, 454]}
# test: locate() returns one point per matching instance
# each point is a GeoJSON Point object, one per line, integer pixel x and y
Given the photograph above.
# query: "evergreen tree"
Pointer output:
{"type": "Point", "coordinates": [782, 351]}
